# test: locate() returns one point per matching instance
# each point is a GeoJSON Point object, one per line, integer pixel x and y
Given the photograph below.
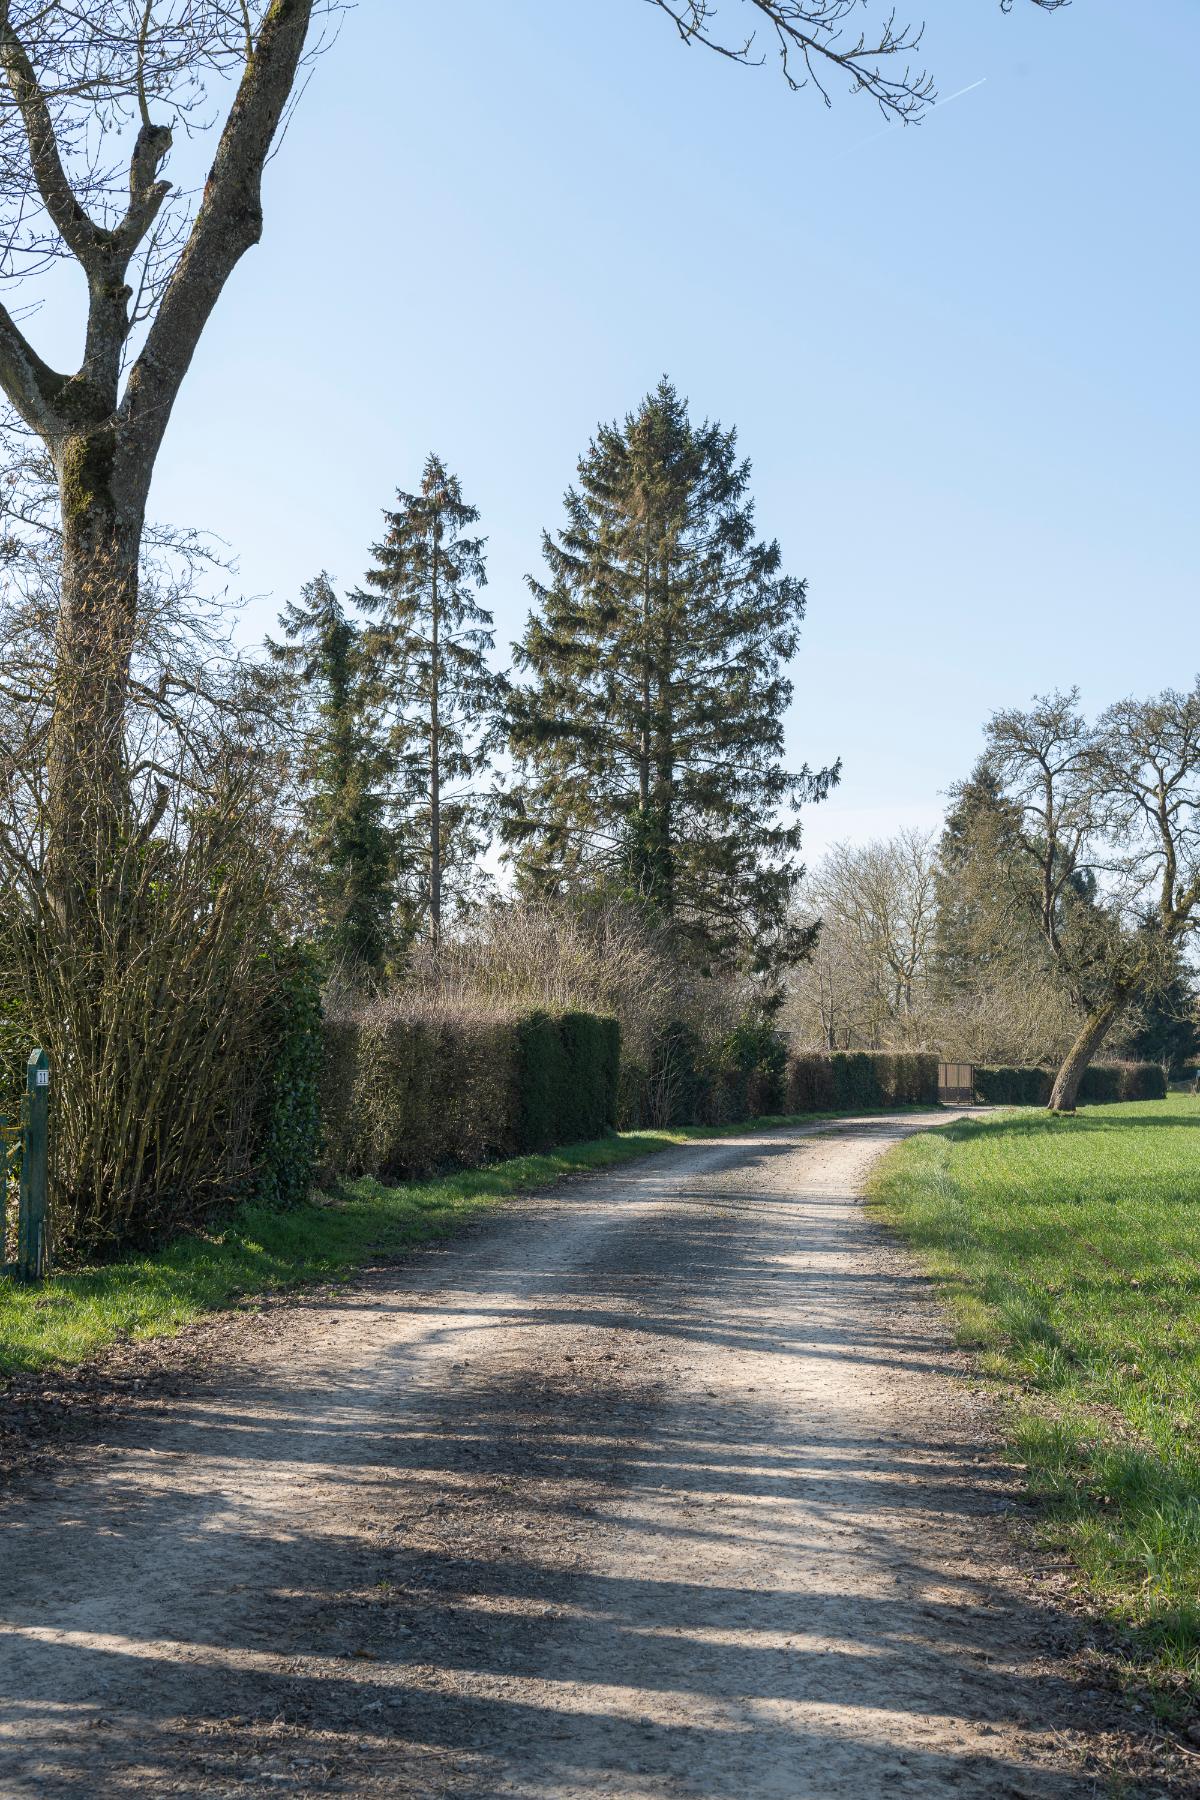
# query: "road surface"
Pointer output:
{"type": "Point", "coordinates": [661, 1485]}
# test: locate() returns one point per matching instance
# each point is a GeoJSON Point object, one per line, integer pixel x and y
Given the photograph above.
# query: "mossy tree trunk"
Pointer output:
{"type": "Point", "coordinates": [88, 799]}
{"type": "Point", "coordinates": [1096, 1027]}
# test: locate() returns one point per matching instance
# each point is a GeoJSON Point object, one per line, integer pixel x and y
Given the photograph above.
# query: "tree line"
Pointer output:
{"type": "Point", "coordinates": [150, 815]}
{"type": "Point", "coordinates": [642, 723]}
{"type": "Point", "coordinates": [1053, 918]}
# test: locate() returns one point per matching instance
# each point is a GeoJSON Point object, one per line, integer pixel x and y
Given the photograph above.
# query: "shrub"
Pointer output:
{"type": "Point", "coordinates": [1002, 1086]}
{"type": "Point", "coordinates": [159, 1016]}
{"type": "Point", "coordinates": [409, 1088]}
{"type": "Point", "coordinates": [757, 1053]}
{"type": "Point", "coordinates": [567, 1076]}
{"type": "Point", "coordinates": [289, 1129]}
{"type": "Point", "coordinates": [855, 1083]}
{"type": "Point", "coordinates": [854, 1080]}
{"type": "Point", "coordinates": [809, 1083]}
{"type": "Point", "coordinates": [1102, 1084]}
{"type": "Point", "coordinates": [542, 1081]}
{"type": "Point", "coordinates": [676, 1090]}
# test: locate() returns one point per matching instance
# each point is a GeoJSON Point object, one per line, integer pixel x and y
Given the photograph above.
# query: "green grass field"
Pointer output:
{"type": "Point", "coordinates": [255, 1251]}
{"type": "Point", "coordinates": [1069, 1250]}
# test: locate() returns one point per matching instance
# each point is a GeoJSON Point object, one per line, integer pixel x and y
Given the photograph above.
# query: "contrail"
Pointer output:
{"type": "Point", "coordinates": [895, 123]}
{"type": "Point", "coordinates": [969, 89]}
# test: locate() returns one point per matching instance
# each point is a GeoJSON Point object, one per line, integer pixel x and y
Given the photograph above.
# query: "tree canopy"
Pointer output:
{"type": "Point", "coordinates": [650, 736]}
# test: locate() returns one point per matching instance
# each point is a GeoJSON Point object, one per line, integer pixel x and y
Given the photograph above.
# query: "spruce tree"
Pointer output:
{"type": "Point", "coordinates": [339, 768]}
{"type": "Point", "coordinates": [649, 739]}
{"type": "Point", "coordinates": [977, 923]}
{"type": "Point", "coordinates": [428, 656]}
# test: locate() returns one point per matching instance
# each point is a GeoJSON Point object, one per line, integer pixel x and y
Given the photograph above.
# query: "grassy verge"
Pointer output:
{"type": "Point", "coordinates": [1069, 1250]}
{"type": "Point", "coordinates": [256, 1251]}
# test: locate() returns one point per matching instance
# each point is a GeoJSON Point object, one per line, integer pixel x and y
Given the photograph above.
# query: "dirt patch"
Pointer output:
{"type": "Point", "coordinates": [666, 1484]}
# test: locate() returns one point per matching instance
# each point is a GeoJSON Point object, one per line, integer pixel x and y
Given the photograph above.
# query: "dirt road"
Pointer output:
{"type": "Point", "coordinates": [657, 1486]}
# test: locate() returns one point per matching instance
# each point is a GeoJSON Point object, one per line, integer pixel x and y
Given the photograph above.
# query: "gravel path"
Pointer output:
{"type": "Point", "coordinates": [660, 1485]}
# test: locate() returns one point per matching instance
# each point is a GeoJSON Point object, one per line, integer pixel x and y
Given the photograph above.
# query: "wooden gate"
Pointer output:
{"type": "Point", "coordinates": [956, 1084]}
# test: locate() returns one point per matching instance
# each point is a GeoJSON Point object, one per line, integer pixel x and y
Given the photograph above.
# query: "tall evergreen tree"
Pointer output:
{"type": "Point", "coordinates": [340, 772]}
{"type": "Point", "coordinates": [649, 738]}
{"type": "Point", "coordinates": [428, 656]}
{"type": "Point", "coordinates": [979, 924]}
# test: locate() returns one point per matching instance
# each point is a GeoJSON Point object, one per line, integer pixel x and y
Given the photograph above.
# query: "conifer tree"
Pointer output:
{"type": "Point", "coordinates": [340, 772]}
{"type": "Point", "coordinates": [428, 657]}
{"type": "Point", "coordinates": [977, 927]}
{"type": "Point", "coordinates": [649, 738]}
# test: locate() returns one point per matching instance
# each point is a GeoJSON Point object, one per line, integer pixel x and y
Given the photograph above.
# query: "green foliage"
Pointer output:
{"type": "Point", "coordinates": [406, 1092]}
{"type": "Point", "coordinates": [427, 657]}
{"type": "Point", "coordinates": [1102, 1084]}
{"type": "Point", "coordinates": [1168, 1033]}
{"type": "Point", "coordinates": [979, 931]}
{"type": "Point", "coordinates": [809, 1084]}
{"type": "Point", "coordinates": [1069, 1250]}
{"type": "Point", "coordinates": [290, 1107]}
{"type": "Point", "coordinates": [649, 738]}
{"type": "Point", "coordinates": [745, 1077]}
{"type": "Point", "coordinates": [1002, 1086]}
{"type": "Point", "coordinates": [752, 1076]}
{"type": "Point", "coordinates": [589, 1048]}
{"type": "Point", "coordinates": [860, 1080]}
{"type": "Point", "coordinates": [568, 1071]}
{"type": "Point", "coordinates": [1106, 1083]}
{"type": "Point", "coordinates": [411, 1090]}
{"type": "Point", "coordinates": [341, 772]}
{"type": "Point", "coordinates": [543, 1081]}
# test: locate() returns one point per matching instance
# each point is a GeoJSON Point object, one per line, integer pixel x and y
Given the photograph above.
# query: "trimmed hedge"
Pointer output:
{"type": "Point", "coordinates": [289, 1112]}
{"type": "Point", "coordinates": [567, 1074]}
{"type": "Point", "coordinates": [752, 1076]}
{"type": "Point", "coordinates": [1003, 1086]}
{"type": "Point", "coordinates": [1102, 1084]}
{"type": "Point", "coordinates": [1106, 1082]}
{"type": "Point", "coordinates": [409, 1091]}
{"type": "Point", "coordinates": [847, 1080]}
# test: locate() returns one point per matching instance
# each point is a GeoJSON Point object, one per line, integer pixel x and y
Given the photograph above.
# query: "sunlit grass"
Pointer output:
{"type": "Point", "coordinates": [1069, 1250]}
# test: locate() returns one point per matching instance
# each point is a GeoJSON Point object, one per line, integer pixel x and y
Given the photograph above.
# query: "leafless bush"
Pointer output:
{"type": "Point", "coordinates": [150, 989]}
{"type": "Point", "coordinates": [604, 959]}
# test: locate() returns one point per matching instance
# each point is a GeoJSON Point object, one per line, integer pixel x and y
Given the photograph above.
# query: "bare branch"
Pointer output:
{"type": "Point", "coordinates": [228, 223]}
{"type": "Point", "coordinates": [812, 44]}
{"type": "Point", "coordinates": [78, 231]}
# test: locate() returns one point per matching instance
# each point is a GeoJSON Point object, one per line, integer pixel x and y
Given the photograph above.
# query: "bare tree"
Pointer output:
{"type": "Point", "coordinates": [1109, 843]}
{"type": "Point", "coordinates": [865, 983]}
{"type": "Point", "coordinates": [94, 96]}
{"type": "Point", "coordinates": [815, 42]}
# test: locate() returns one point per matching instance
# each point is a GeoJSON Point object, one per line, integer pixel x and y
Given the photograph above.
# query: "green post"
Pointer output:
{"type": "Point", "coordinates": [31, 1216]}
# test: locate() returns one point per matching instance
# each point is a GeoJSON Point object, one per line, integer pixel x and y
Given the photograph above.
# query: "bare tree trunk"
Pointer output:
{"type": "Point", "coordinates": [88, 800]}
{"type": "Point", "coordinates": [103, 445]}
{"type": "Point", "coordinates": [1095, 1029]}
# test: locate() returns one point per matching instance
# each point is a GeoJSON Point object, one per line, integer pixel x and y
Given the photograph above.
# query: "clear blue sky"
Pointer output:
{"type": "Point", "coordinates": [962, 358]}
